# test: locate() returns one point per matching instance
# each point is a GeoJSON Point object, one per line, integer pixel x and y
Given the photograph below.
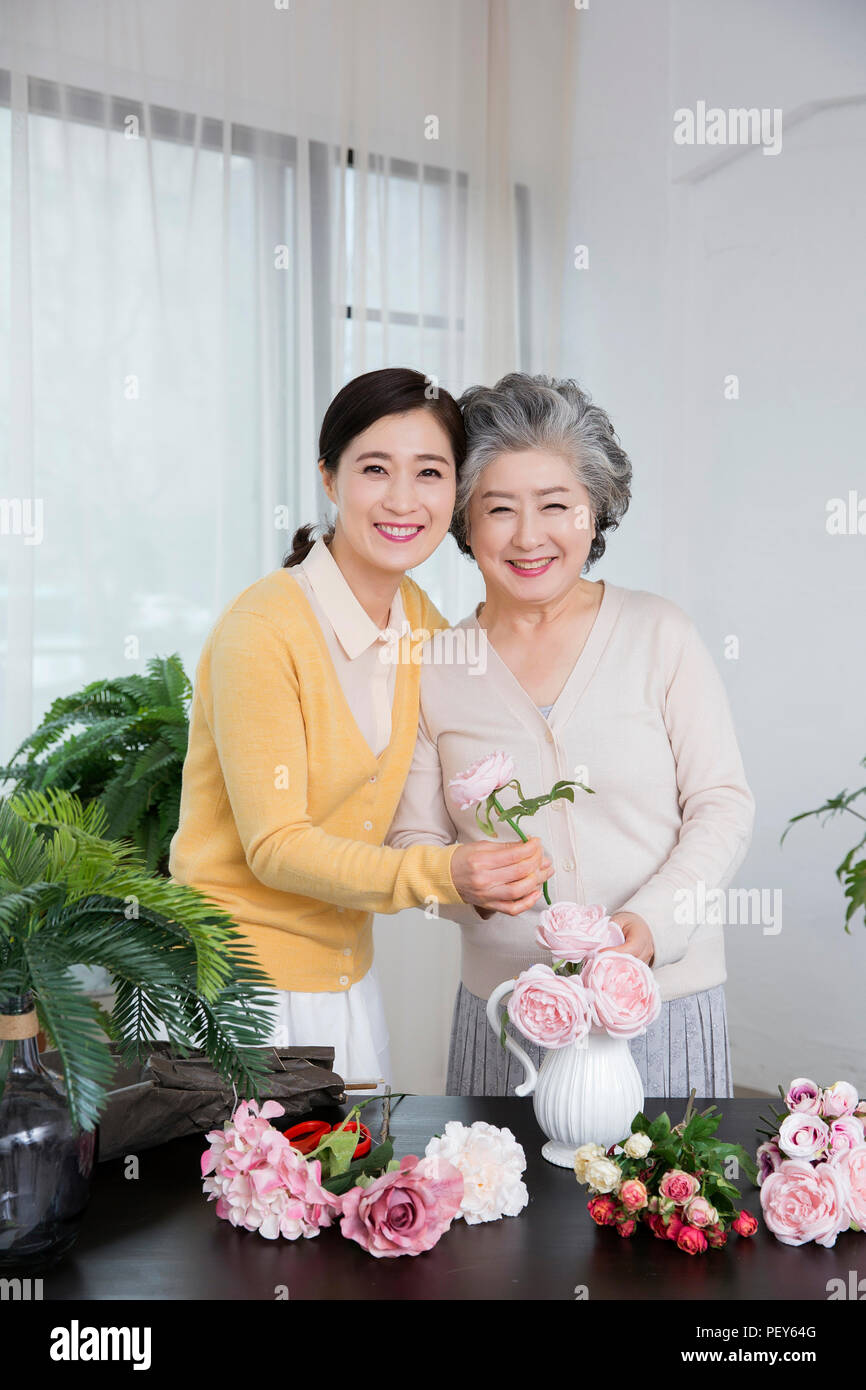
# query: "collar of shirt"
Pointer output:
{"type": "Point", "coordinates": [353, 626]}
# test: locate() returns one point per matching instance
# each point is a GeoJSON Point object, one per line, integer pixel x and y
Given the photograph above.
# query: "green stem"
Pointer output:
{"type": "Point", "coordinates": [503, 815]}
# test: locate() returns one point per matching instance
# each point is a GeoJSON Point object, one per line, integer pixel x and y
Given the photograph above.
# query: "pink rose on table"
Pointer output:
{"type": "Point", "coordinates": [804, 1096]}
{"type": "Point", "coordinates": [839, 1099]}
{"type": "Point", "coordinates": [679, 1186]}
{"type": "Point", "coordinates": [699, 1212]}
{"type": "Point", "coordinates": [769, 1157]}
{"type": "Point", "coordinates": [673, 1226]}
{"type": "Point", "coordinates": [602, 1209]}
{"type": "Point", "coordinates": [851, 1163]}
{"type": "Point", "coordinates": [693, 1241]}
{"type": "Point", "coordinates": [803, 1202]}
{"type": "Point", "coordinates": [626, 998]}
{"type": "Point", "coordinates": [845, 1133]}
{"type": "Point", "coordinates": [746, 1224]}
{"type": "Point", "coordinates": [487, 775]}
{"type": "Point", "coordinates": [550, 1009]}
{"type": "Point", "coordinates": [572, 931]}
{"type": "Point", "coordinates": [633, 1194]}
{"type": "Point", "coordinates": [803, 1136]}
{"type": "Point", "coordinates": [404, 1212]}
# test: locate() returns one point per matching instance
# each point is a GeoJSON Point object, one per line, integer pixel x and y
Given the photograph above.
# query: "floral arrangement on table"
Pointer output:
{"type": "Point", "coordinates": [812, 1163]}
{"type": "Point", "coordinates": [670, 1179]}
{"type": "Point", "coordinates": [299, 1181]}
{"type": "Point", "coordinates": [588, 986]}
{"type": "Point", "coordinates": [481, 783]}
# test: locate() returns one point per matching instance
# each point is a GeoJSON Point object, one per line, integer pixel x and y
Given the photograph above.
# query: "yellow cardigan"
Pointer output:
{"type": "Point", "coordinates": [284, 807]}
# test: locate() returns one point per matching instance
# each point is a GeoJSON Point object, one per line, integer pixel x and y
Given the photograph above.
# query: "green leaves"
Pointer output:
{"type": "Point", "coordinates": [70, 897]}
{"type": "Point", "coordinates": [378, 1160]}
{"type": "Point", "coordinates": [120, 743]}
{"type": "Point", "coordinates": [851, 872]}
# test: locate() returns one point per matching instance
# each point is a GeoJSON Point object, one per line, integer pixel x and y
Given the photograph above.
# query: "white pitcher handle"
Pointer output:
{"type": "Point", "coordinates": [527, 1085]}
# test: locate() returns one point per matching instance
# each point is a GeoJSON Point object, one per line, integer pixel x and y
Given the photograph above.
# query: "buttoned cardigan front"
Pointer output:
{"type": "Point", "coordinates": [644, 720]}
{"type": "Point", "coordinates": [284, 804]}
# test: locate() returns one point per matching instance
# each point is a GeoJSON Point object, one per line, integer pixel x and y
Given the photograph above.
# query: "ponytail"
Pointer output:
{"type": "Point", "coordinates": [302, 544]}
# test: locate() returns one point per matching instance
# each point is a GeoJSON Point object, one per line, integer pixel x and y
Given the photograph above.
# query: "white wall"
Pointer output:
{"type": "Point", "coordinates": [700, 267]}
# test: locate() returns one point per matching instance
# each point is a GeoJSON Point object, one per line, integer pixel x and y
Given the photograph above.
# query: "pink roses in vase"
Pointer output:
{"type": "Point", "coordinates": [812, 1164]}
{"type": "Point", "coordinates": [589, 987]}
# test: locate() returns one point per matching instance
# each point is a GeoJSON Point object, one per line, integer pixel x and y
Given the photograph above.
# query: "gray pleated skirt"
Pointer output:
{"type": "Point", "coordinates": [687, 1046]}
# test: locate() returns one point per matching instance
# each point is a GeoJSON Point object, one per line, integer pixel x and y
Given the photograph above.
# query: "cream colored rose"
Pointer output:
{"type": "Point", "coordinates": [584, 1155]}
{"type": "Point", "coordinates": [638, 1145]}
{"type": "Point", "coordinates": [603, 1175]}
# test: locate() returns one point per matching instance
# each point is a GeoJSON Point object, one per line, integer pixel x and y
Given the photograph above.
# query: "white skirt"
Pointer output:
{"type": "Point", "coordinates": [352, 1021]}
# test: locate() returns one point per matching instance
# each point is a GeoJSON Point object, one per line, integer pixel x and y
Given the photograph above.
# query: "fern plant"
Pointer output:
{"type": "Point", "coordinates": [852, 871]}
{"type": "Point", "coordinates": [129, 755]}
{"type": "Point", "coordinates": [70, 896]}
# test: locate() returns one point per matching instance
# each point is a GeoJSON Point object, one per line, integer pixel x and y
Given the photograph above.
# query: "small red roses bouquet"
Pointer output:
{"type": "Point", "coordinates": [671, 1179]}
{"type": "Point", "coordinates": [812, 1163]}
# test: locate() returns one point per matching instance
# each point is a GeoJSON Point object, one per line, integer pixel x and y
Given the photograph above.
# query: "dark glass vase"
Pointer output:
{"type": "Point", "coordinates": [45, 1164]}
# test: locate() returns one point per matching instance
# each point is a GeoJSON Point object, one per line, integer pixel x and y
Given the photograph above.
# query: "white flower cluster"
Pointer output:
{"type": "Point", "coordinates": [492, 1163]}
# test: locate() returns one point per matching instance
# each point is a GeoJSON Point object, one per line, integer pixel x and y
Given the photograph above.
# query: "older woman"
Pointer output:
{"type": "Point", "coordinates": [592, 682]}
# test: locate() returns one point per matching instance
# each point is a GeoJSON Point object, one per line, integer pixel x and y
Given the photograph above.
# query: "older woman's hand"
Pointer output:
{"type": "Point", "coordinates": [638, 937]}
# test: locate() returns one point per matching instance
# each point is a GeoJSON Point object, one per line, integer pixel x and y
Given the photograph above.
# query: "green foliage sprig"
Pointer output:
{"type": "Point", "coordinates": [70, 896]}
{"type": "Point", "coordinates": [852, 871]}
{"type": "Point", "coordinates": [129, 755]}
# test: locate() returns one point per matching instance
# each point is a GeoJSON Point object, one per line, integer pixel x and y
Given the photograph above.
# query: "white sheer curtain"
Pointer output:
{"type": "Point", "coordinates": [211, 216]}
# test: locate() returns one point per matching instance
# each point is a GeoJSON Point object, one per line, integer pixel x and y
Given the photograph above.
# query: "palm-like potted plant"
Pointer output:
{"type": "Point", "coordinates": [128, 754]}
{"type": "Point", "coordinates": [70, 896]}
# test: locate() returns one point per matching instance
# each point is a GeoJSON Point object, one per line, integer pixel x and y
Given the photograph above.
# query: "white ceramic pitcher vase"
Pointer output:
{"type": "Point", "coordinates": [585, 1093]}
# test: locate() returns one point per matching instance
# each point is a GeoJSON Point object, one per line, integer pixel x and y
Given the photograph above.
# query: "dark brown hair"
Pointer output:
{"type": "Point", "coordinates": [357, 406]}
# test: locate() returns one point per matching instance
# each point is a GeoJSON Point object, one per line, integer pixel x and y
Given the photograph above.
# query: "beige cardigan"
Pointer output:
{"type": "Point", "coordinates": [644, 719]}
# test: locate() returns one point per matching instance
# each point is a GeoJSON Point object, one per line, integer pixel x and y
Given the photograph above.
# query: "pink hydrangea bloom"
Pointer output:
{"type": "Point", "coordinates": [262, 1183]}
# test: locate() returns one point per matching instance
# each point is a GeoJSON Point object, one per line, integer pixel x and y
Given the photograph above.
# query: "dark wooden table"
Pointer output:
{"type": "Point", "coordinates": [157, 1237]}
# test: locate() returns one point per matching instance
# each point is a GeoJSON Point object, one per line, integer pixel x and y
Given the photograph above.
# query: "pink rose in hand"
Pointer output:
{"type": "Point", "coordinates": [572, 931]}
{"type": "Point", "coordinates": [406, 1211]}
{"type": "Point", "coordinates": [803, 1136]}
{"type": "Point", "coordinates": [550, 1009]}
{"type": "Point", "coordinates": [626, 998]}
{"type": "Point", "coordinates": [802, 1201]}
{"type": "Point", "coordinates": [839, 1099]}
{"type": "Point", "coordinates": [804, 1096]}
{"type": "Point", "coordinates": [678, 1186]}
{"type": "Point", "coordinates": [487, 775]}
{"type": "Point", "coordinates": [851, 1163]}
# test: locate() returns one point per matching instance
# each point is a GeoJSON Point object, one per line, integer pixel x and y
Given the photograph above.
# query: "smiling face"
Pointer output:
{"type": "Point", "coordinates": [394, 489]}
{"type": "Point", "coordinates": [530, 527]}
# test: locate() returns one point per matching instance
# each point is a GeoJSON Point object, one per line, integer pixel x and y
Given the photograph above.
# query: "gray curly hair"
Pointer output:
{"type": "Point", "coordinates": [541, 412]}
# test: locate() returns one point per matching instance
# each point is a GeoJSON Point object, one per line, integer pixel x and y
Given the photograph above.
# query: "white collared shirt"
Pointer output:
{"type": "Point", "coordinates": [355, 643]}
